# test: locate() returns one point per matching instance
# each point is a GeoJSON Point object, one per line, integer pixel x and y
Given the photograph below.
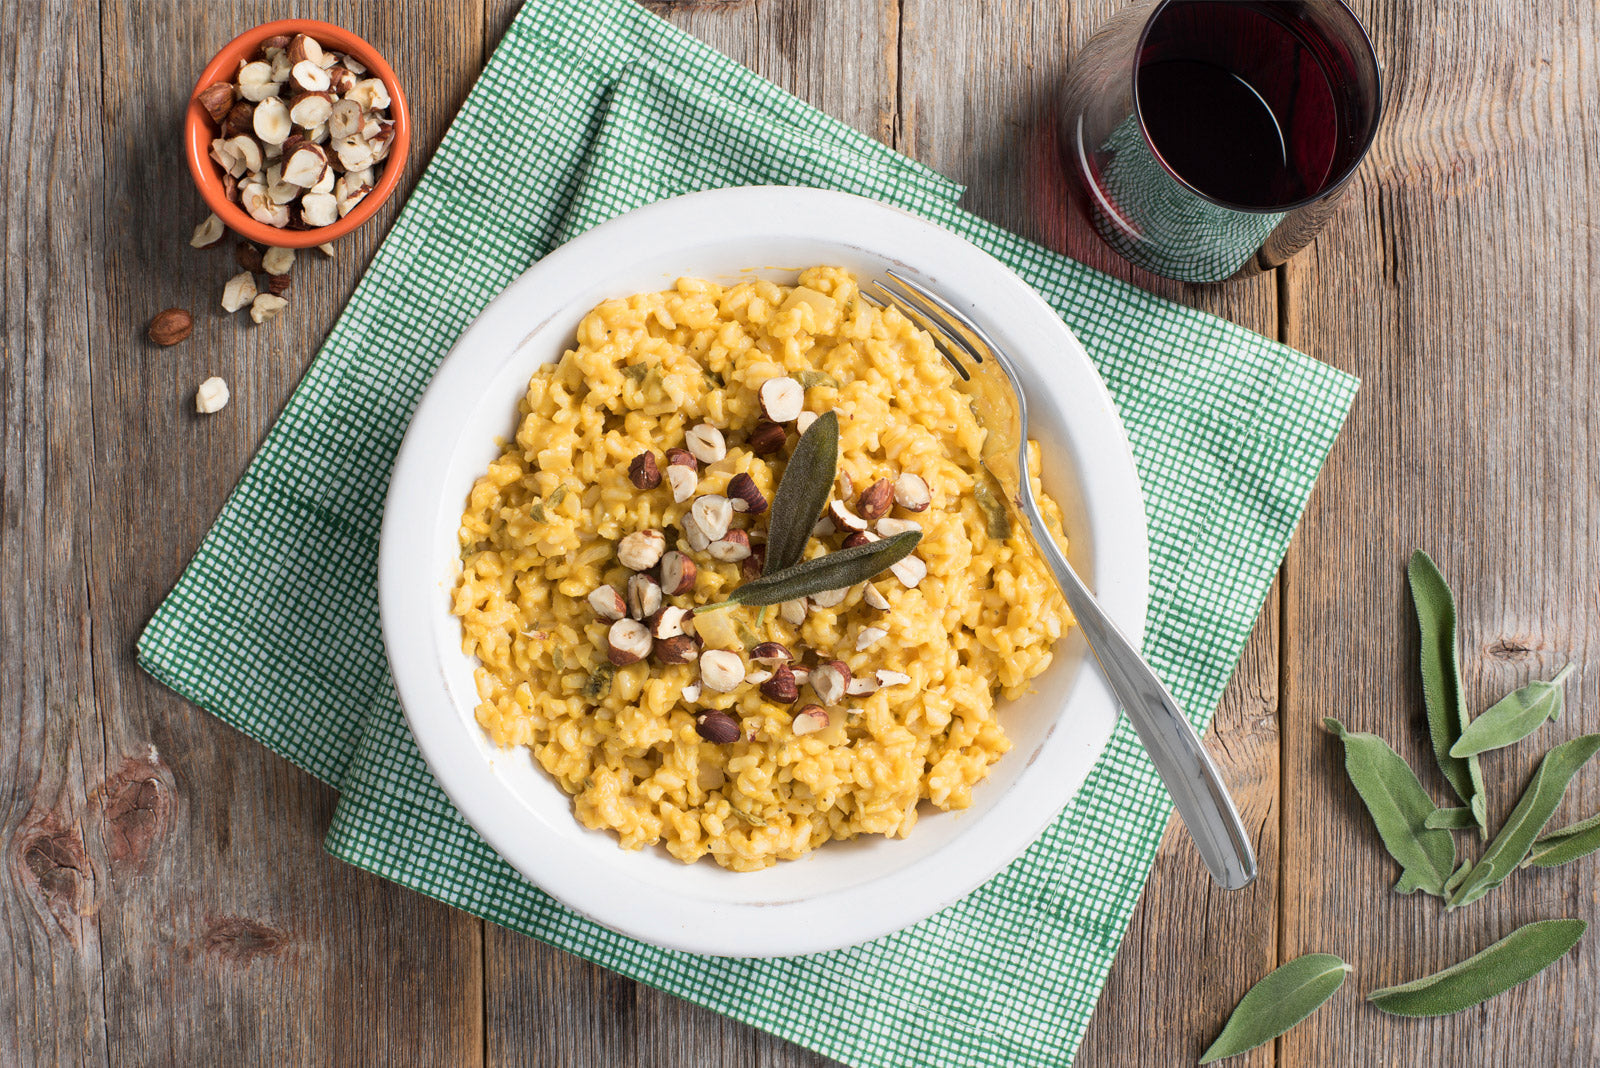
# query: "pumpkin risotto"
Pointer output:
{"type": "Point", "coordinates": [637, 488]}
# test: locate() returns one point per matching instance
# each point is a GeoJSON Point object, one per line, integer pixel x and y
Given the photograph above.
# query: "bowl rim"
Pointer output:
{"type": "Point", "coordinates": [198, 132]}
{"type": "Point", "coordinates": [409, 590]}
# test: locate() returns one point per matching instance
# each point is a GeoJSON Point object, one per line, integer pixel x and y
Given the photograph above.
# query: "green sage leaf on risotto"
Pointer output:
{"type": "Point", "coordinates": [996, 522]}
{"type": "Point", "coordinates": [833, 571]}
{"type": "Point", "coordinates": [1566, 843]}
{"type": "Point", "coordinates": [1286, 996]}
{"type": "Point", "coordinates": [636, 371]}
{"type": "Point", "coordinates": [802, 493]}
{"type": "Point", "coordinates": [538, 511]}
{"type": "Point", "coordinates": [1516, 958]}
{"type": "Point", "coordinates": [1441, 683]}
{"type": "Point", "coordinates": [599, 683]}
{"type": "Point", "coordinates": [812, 379]}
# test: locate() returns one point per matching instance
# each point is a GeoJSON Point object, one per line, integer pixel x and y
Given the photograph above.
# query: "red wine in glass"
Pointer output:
{"type": "Point", "coordinates": [1210, 135]}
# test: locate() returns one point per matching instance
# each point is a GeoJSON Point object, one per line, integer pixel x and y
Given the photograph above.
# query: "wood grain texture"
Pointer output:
{"type": "Point", "coordinates": [164, 895]}
{"type": "Point", "coordinates": [1457, 282]}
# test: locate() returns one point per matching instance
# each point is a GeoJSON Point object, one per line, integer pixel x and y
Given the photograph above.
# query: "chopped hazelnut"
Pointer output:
{"type": "Point", "coordinates": [888, 526]}
{"type": "Point", "coordinates": [910, 571]}
{"type": "Point", "coordinates": [608, 603]}
{"type": "Point", "coordinates": [677, 573]}
{"type": "Point", "coordinates": [684, 481]}
{"type": "Point", "coordinates": [767, 438]}
{"type": "Point", "coordinates": [682, 458]}
{"type": "Point", "coordinates": [717, 727]}
{"type": "Point", "coordinates": [640, 550]}
{"type": "Point", "coordinates": [911, 492]}
{"type": "Point", "coordinates": [809, 720]}
{"type": "Point", "coordinates": [721, 669]}
{"type": "Point", "coordinates": [732, 547]}
{"type": "Point", "coordinates": [643, 472]}
{"type": "Point", "coordinates": [706, 443]}
{"type": "Point", "coordinates": [793, 612]}
{"type": "Point", "coordinates": [745, 495]}
{"type": "Point", "coordinates": [678, 649]}
{"type": "Point", "coordinates": [771, 653]}
{"type": "Point", "coordinates": [629, 642]}
{"type": "Point", "coordinates": [644, 596]}
{"type": "Point", "coordinates": [782, 399]}
{"type": "Point", "coordinates": [712, 512]}
{"type": "Point", "coordinates": [892, 678]}
{"type": "Point", "coordinates": [666, 621]}
{"type": "Point", "coordinates": [875, 500]}
{"type": "Point", "coordinates": [874, 599]}
{"type": "Point", "coordinates": [781, 686]}
{"type": "Point", "coordinates": [829, 681]}
{"type": "Point", "coordinates": [843, 518]}
{"type": "Point", "coordinates": [868, 637]}
{"type": "Point", "coordinates": [830, 598]}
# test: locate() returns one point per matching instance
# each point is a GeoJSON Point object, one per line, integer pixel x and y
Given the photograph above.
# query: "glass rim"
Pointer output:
{"type": "Point", "coordinates": [1293, 205]}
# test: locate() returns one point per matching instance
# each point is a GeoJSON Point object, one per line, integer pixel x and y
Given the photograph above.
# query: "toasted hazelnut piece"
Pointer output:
{"type": "Point", "coordinates": [255, 81]}
{"type": "Point", "coordinates": [345, 195]}
{"type": "Point", "coordinates": [266, 306]}
{"type": "Point", "coordinates": [274, 45]}
{"type": "Point", "coordinates": [344, 118]}
{"type": "Point", "coordinates": [326, 248]}
{"type": "Point", "coordinates": [829, 680]}
{"type": "Point", "coordinates": [643, 472]}
{"type": "Point", "coordinates": [301, 48]}
{"type": "Point", "coordinates": [751, 567]}
{"type": "Point", "coordinates": [170, 327]}
{"type": "Point", "coordinates": [693, 536]}
{"type": "Point", "coordinates": [802, 675]}
{"type": "Point", "coordinates": [330, 183]}
{"type": "Point", "coordinates": [370, 93]}
{"type": "Point", "coordinates": [212, 396]}
{"type": "Point", "coordinates": [248, 151]}
{"type": "Point", "coordinates": [271, 121]}
{"type": "Point", "coordinates": [677, 573]}
{"type": "Point", "coordinates": [277, 284]}
{"type": "Point", "coordinates": [873, 598]}
{"type": "Point", "coordinates": [354, 153]}
{"type": "Point", "coordinates": [208, 233]}
{"type": "Point", "coordinates": [867, 637]}
{"type": "Point", "coordinates": [318, 209]}
{"type": "Point", "coordinates": [239, 292]}
{"type": "Point", "coordinates": [355, 65]}
{"type": "Point", "coordinates": [887, 677]}
{"type": "Point", "coordinates": [706, 443]}
{"type": "Point", "coordinates": [756, 676]}
{"type": "Point", "coordinates": [823, 528]}
{"type": "Point", "coordinates": [628, 641]}
{"type": "Point", "coordinates": [845, 485]}
{"type": "Point", "coordinates": [684, 482]}
{"type": "Point", "coordinates": [683, 458]}
{"type": "Point", "coordinates": [311, 110]}
{"type": "Point", "coordinates": [238, 122]}
{"type": "Point", "coordinates": [217, 98]}
{"type": "Point", "coordinates": [277, 260]}
{"type": "Point", "coordinates": [767, 438]}
{"type": "Point", "coordinates": [690, 692]}
{"type": "Point", "coordinates": [889, 526]}
{"type": "Point", "coordinates": [843, 518]}
{"type": "Point", "coordinates": [247, 255]}
{"type": "Point", "coordinates": [713, 513]}
{"type": "Point", "coordinates": [793, 612]}
{"type": "Point", "coordinates": [678, 649]}
{"type": "Point", "coordinates": [309, 75]}
{"type": "Point", "coordinates": [341, 80]}
{"type": "Point", "coordinates": [721, 669]}
{"type": "Point", "coordinates": [640, 550]}
{"type": "Point", "coordinates": [644, 596]}
{"type": "Point", "coordinates": [803, 421]}
{"type": "Point", "coordinates": [809, 720]}
{"type": "Point", "coordinates": [782, 399]}
{"type": "Point", "coordinates": [860, 537]}
{"type": "Point", "coordinates": [780, 686]}
{"type": "Point", "coordinates": [731, 548]}
{"type": "Point", "coordinates": [911, 492]}
{"type": "Point", "coordinates": [667, 621]}
{"type": "Point", "coordinates": [771, 653]}
{"type": "Point", "coordinates": [608, 603]}
{"type": "Point", "coordinates": [745, 495]}
{"type": "Point", "coordinates": [910, 570]}
{"type": "Point", "coordinates": [718, 728]}
{"type": "Point", "coordinates": [876, 500]}
{"type": "Point", "coordinates": [861, 686]}
{"type": "Point", "coordinates": [830, 598]}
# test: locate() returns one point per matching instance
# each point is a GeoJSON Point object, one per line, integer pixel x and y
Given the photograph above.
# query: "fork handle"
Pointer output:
{"type": "Point", "coordinates": [1186, 768]}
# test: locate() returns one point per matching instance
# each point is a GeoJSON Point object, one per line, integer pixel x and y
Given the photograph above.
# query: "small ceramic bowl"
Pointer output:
{"type": "Point", "coordinates": [198, 131]}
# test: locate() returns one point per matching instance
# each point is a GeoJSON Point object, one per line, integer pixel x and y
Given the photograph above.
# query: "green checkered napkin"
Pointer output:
{"type": "Point", "coordinates": [592, 108]}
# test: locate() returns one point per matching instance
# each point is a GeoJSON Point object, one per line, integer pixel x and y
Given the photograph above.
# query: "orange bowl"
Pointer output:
{"type": "Point", "coordinates": [198, 130]}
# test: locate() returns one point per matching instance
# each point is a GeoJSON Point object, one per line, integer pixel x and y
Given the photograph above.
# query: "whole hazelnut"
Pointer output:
{"type": "Point", "coordinates": [171, 326]}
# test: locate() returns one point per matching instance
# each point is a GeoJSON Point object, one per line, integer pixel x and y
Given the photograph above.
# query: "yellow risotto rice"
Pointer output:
{"type": "Point", "coordinates": [541, 532]}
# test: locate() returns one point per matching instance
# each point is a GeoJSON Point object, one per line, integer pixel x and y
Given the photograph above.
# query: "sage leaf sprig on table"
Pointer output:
{"type": "Point", "coordinates": [1284, 997]}
{"type": "Point", "coordinates": [1441, 684]}
{"type": "Point", "coordinates": [1522, 827]}
{"type": "Point", "coordinates": [1400, 808]}
{"type": "Point", "coordinates": [832, 571]}
{"type": "Point", "coordinates": [1513, 717]}
{"type": "Point", "coordinates": [802, 493]}
{"type": "Point", "coordinates": [1565, 844]}
{"type": "Point", "coordinates": [1515, 959]}
{"type": "Point", "coordinates": [1451, 819]}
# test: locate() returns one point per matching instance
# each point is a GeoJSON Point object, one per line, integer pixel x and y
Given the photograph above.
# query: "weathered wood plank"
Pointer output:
{"type": "Point", "coordinates": [1457, 282]}
{"type": "Point", "coordinates": [227, 929]}
{"type": "Point", "coordinates": [55, 873]}
{"type": "Point", "coordinates": [979, 96]}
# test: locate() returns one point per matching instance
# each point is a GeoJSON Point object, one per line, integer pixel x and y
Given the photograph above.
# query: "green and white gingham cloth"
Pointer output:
{"type": "Point", "coordinates": [590, 108]}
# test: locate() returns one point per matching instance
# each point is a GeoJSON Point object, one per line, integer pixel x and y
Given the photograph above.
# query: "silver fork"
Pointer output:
{"type": "Point", "coordinates": [989, 378]}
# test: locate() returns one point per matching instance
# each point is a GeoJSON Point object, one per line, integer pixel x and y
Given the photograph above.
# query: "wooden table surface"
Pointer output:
{"type": "Point", "coordinates": [165, 898]}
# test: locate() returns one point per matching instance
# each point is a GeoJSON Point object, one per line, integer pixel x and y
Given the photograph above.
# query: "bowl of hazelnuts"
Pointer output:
{"type": "Point", "coordinates": [296, 133]}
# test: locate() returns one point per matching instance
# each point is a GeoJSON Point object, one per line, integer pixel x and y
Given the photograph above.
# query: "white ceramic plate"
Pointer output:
{"type": "Point", "coordinates": [845, 892]}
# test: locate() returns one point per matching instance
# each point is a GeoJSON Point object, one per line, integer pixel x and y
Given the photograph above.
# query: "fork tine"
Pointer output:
{"type": "Point", "coordinates": [977, 342]}
{"type": "Point", "coordinates": [948, 346]}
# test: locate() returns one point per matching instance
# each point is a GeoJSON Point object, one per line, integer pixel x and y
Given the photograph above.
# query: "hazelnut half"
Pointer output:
{"type": "Point", "coordinates": [643, 472]}
{"type": "Point", "coordinates": [767, 438]}
{"type": "Point", "coordinates": [640, 550]}
{"type": "Point", "coordinates": [875, 500]}
{"type": "Point", "coordinates": [829, 680]}
{"type": "Point", "coordinates": [782, 399]}
{"type": "Point", "coordinates": [717, 727]}
{"type": "Point", "coordinates": [628, 642]}
{"type": "Point", "coordinates": [745, 495]}
{"type": "Point", "coordinates": [677, 573]}
{"type": "Point", "coordinates": [911, 492]}
{"type": "Point", "coordinates": [809, 720]}
{"type": "Point", "coordinates": [781, 686]}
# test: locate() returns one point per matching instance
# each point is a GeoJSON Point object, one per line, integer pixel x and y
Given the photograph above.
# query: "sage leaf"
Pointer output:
{"type": "Point", "coordinates": [1287, 995]}
{"type": "Point", "coordinates": [1441, 683]}
{"type": "Point", "coordinates": [1537, 804]}
{"type": "Point", "coordinates": [636, 371]}
{"type": "Point", "coordinates": [802, 493]}
{"type": "Point", "coordinates": [811, 378]}
{"type": "Point", "coordinates": [557, 495]}
{"type": "Point", "coordinates": [1455, 879]}
{"type": "Point", "coordinates": [832, 571]}
{"type": "Point", "coordinates": [1568, 843]}
{"type": "Point", "coordinates": [996, 520]}
{"type": "Point", "coordinates": [1513, 717]}
{"type": "Point", "coordinates": [598, 684]}
{"type": "Point", "coordinates": [1451, 819]}
{"type": "Point", "coordinates": [1400, 808]}
{"type": "Point", "coordinates": [1516, 958]}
